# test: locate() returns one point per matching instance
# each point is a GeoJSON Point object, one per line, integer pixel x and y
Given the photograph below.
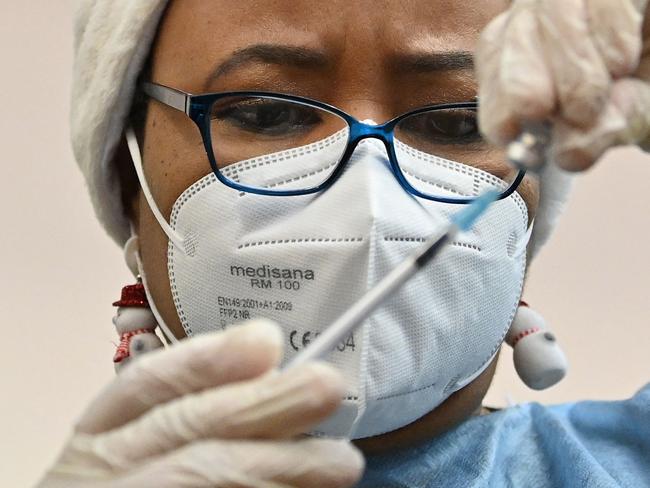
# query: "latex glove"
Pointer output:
{"type": "Point", "coordinates": [210, 412]}
{"type": "Point", "coordinates": [580, 64]}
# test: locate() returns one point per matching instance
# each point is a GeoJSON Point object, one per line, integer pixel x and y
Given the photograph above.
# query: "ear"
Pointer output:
{"type": "Point", "coordinates": [130, 187]}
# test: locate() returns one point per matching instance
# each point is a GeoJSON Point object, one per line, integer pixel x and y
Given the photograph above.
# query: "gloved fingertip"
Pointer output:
{"type": "Point", "coordinates": [348, 459]}
{"type": "Point", "coordinates": [529, 95]}
{"type": "Point", "coordinates": [501, 136]}
{"type": "Point", "coordinates": [583, 121]}
{"type": "Point", "coordinates": [574, 160]}
{"type": "Point", "coordinates": [578, 150]}
{"type": "Point", "coordinates": [263, 330]}
{"type": "Point", "coordinates": [354, 463]}
{"type": "Point", "coordinates": [534, 109]}
{"type": "Point", "coordinates": [583, 112]}
{"type": "Point", "coordinates": [499, 131]}
{"type": "Point", "coordinates": [327, 381]}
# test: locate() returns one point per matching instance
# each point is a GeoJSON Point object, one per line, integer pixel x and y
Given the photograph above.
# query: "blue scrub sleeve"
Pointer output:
{"type": "Point", "coordinates": [583, 444]}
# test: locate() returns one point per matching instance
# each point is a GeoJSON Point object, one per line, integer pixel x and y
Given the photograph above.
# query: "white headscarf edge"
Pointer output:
{"type": "Point", "coordinates": [112, 42]}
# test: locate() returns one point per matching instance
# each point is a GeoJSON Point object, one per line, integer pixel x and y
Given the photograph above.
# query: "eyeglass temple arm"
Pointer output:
{"type": "Point", "coordinates": [169, 96]}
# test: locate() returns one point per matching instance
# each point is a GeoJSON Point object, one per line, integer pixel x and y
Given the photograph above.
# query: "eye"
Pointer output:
{"type": "Point", "coordinates": [453, 124]}
{"type": "Point", "coordinates": [264, 116]}
{"type": "Point", "coordinates": [450, 126]}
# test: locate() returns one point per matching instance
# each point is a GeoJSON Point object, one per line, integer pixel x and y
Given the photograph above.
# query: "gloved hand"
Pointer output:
{"type": "Point", "coordinates": [210, 412]}
{"type": "Point", "coordinates": [583, 65]}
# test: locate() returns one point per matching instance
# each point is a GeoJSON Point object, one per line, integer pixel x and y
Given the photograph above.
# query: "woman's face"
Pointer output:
{"type": "Point", "coordinates": [374, 59]}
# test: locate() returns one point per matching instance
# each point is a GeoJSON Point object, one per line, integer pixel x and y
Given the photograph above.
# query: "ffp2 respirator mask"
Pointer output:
{"type": "Point", "coordinates": [303, 260]}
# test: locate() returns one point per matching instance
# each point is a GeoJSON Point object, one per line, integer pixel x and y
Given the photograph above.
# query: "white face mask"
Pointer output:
{"type": "Point", "coordinates": [304, 260]}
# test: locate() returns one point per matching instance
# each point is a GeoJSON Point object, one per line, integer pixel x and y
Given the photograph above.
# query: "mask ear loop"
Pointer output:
{"type": "Point", "coordinates": [132, 247]}
{"type": "Point", "coordinates": [161, 322]}
{"type": "Point", "coordinates": [134, 262]}
{"type": "Point", "coordinates": [172, 235]}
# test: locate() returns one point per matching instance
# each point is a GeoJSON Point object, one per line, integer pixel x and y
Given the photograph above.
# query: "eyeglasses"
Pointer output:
{"type": "Point", "coordinates": [242, 131]}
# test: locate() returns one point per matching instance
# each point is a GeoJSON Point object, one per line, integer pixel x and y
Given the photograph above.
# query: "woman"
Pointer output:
{"type": "Point", "coordinates": [271, 198]}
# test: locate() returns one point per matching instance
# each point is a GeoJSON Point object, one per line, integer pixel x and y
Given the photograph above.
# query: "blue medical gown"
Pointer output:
{"type": "Point", "coordinates": [584, 444]}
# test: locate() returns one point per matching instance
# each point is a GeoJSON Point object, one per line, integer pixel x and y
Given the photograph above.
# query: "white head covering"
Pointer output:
{"type": "Point", "coordinates": [112, 42]}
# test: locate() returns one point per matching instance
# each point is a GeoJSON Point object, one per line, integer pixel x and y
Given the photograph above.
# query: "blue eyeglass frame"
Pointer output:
{"type": "Point", "coordinates": [198, 108]}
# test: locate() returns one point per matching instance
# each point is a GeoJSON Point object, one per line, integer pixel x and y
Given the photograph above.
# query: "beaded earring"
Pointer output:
{"type": "Point", "coordinates": [135, 324]}
{"type": "Point", "coordinates": [134, 320]}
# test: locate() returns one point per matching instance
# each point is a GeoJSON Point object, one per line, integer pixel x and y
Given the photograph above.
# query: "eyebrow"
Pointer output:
{"type": "Point", "coordinates": [426, 62]}
{"type": "Point", "coordinates": [299, 57]}
{"type": "Point", "coordinates": [309, 58]}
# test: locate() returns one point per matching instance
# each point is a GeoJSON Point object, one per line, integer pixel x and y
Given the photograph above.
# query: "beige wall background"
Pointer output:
{"type": "Point", "coordinates": [59, 273]}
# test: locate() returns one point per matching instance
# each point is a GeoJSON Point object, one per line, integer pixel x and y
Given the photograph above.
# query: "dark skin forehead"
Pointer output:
{"type": "Point", "coordinates": [374, 59]}
{"type": "Point", "coordinates": [360, 42]}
